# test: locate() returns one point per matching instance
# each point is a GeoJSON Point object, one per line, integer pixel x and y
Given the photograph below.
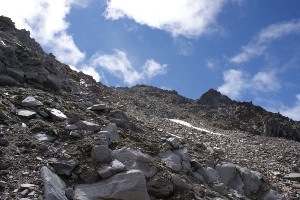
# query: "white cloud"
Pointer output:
{"type": "Point", "coordinates": [292, 112]}
{"type": "Point", "coordinates": [119, 65]}
{"type": "Point", "coordinates": [189, 18]}
{"type": "Point", "coordinates": [260, 43]}
{"type": "Point", "coordinates": [92, 72]}
{"type": "Point", "coordinates": [236, 82]}
{"type": "Point", "coordinates": [212, 63]}
{"type": "Point", "coordinates": [45, 19]}
{"type": "Point", "coordinates": [184, 46]}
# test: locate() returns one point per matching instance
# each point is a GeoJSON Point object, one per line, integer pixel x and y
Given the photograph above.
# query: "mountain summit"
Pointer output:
{"type": "Point", "coordinates": [64, 136]}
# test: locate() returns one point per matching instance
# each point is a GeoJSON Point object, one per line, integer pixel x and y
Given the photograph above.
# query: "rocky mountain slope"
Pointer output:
{"type": "Point", "coordinates": [64, 136]}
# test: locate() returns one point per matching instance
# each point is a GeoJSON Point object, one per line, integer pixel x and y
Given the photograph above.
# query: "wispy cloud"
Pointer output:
{"type": "Point", "coordinates": [236, 82]}
{"type": "Point", "coordinates": [212, 63]}
{"type": "Point", "coordinates": [189, 18]}
{"type": "Point", "coordinates": [260, 43]}
{"type": "Point", "coordinates": [119, 65]}
{"type": "Point", "coordinates": [185, 47]}
{"type": "Point", "coordinates": [294, 111]}
{"type": "Point", "coordinates": [46, 22]}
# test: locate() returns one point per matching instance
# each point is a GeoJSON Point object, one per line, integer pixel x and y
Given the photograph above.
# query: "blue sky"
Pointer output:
{"type": "Point", "coordinates": [247, 49]}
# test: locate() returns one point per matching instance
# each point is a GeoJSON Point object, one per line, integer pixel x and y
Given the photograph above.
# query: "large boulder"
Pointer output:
{"type": "Point", "coordinates": [54, 187]}
{"type": "Point", "coordinates": [171, 160]}
{"type": "Point", "coordinates": [123, 186]}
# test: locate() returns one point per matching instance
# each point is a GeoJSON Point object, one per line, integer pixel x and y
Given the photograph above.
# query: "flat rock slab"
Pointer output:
{"type": "Point", "coordinates": [97, 107]}
{"type": "Point", "coordinates": [54, 187]}
{"type": "Point", "coordinates": [63, 166]}
{"type": "Point", "coordinates": [123, 186]}
{"type": "Point", "coordinates": [31, 102]}
{"type": "Point", "coordinates": [89, 126]}
{"type": "Point", "coordinates": [293, 177]}
{"type": "Point", "coordinates": [26, 113]}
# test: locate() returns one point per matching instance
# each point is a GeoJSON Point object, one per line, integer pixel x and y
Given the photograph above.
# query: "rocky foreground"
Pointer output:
{"type": "Point", "coordinates": [64, 136]}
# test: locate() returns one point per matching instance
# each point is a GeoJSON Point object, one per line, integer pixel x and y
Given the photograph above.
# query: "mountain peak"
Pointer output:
{"type": "Point", "coordinates": [214, 98]}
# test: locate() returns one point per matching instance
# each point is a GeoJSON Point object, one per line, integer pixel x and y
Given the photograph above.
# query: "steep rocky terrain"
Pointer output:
{"type": "Point", "coordinates": [64, 136]}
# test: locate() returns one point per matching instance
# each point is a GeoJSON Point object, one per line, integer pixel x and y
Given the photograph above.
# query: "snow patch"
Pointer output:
{"type": "Point", "coordinates": [178, 121]}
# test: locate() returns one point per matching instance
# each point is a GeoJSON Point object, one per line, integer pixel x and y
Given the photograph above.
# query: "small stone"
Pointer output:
{"type": "Point", "coordinates": [57, 115]}
{"type": "Point", "coordinates": [97, 107]}
{"type": "Point", "coordinates": [4, 142]}
{"type": "Point", "coordinates": [31, 102]}
{"type": "Point", "coordinates": [45, 138]}
{"type": "Point", "coordinates": [24, 193]}
{"type": "Point", "coordinates": [105, 172]}
{"type": "Point", "coordinates": [27, 186]}
{"type": "Point", "coordinates": [117, 166]}
{"type": "Point", "coordinates": [71, 127]}
{"type": "Point", "coordinates": [3, 184]}
{"type": "Point", "coordinates": [63, 166]}
{"type": "Point", "coordinates": [89, 126]}
{"type": "Point", "coordinates": [26, 113]}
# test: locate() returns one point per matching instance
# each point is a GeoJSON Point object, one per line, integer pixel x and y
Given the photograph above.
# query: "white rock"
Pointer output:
{"type": "Point", "coordinates": [57, 115]}
{"type": "Point", "coordinates": [26, 113]}
{"type": "Point", "coordinates": [31, 102]}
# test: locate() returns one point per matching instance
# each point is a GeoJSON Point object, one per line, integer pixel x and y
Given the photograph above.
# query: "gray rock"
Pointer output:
{"type": "Point", "coordinates": [126, 154]}
{"type": "Point", "coordinates": [253, 180]}
{"type": "Point", "coordinates": [171, 160]}
{"type": "Point", "coordinates": [3, 184]}
{"type": "Point", "coordinates": [160, 188]}
{"type": "Point", "coordinates": [227, 172]}
{"type": "Point", "coordinates": [111, 132]}
{"type": "Point", "coordinates": [179, 183]}
{"type": "Point", "coordinates": [4, 116]}
{"type": "Point", "coordinates": [97, 107]}
{"type": "Point", "coordinates": [126, 186]}
{"type": "Point", "coordinates": [57, 115]}
{"type": "Point", "coordinates": [198, 176]}
{"type": "Point", "coordinates": [105, 171]}
{"type": "Point", "coordinates": [174, 141]}
{"type": "Point", "coordinates": [4, 142]}
{"type": "Point", "coordinates": [220, 188]}
{"type": "Point", "coordinates": [293, 177]}
{"type": "Point", "coordinates": [186, 161]}
{"type": "Point", "coordinates": [31, 102]}
{"type": "Point", "coordinates": [54, 187]}
{"type": "Point", "coordinates": [63, 166]}
{"type": "Point", "coordinates": [76, 134]}
{"type": "Point", "coordinates": [71, 127]}
{"type": "Point", "coordinates": [69, 193]}
{"type": "Point", "coordinates": [272, 195]}
{"type": "Point", "coordinates": [101, 154]}
{"type": "Point", "coordinates": [89, 126]}
{"type": "Point", "coordinates": [26, 113]}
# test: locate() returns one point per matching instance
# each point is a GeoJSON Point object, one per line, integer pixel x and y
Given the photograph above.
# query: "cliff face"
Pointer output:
{"type": "Point", "coordinates": [64, 136]}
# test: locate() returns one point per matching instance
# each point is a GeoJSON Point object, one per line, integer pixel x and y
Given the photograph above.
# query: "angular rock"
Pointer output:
{"type": "Point", "coordinates": [71, 127]}
{"type": "Point", "coordinates": [160, 188]}
{"type": "Point", "coordinates": [4, 116]}
{"type": "Point", "coordinates": [54, 187]}
{"type": "Point", "coordinates": [185, 157]}
{"type": "Point", "coordinates": [272, 195]}
{"type": "Point", "coordinates": [45, 138]}
{"type": "Point", "coordinates": [101, 154]}
{"type": "Point", "coordinates": [126, 154]}
{"type": "Point", "coordinates": [63, 166]}
{"type": "Point", "coordinates": [172, 160]}
{"type": "Point", "coordinates": [3, 184]}
{"type": "Point", "coordinates": [227, 173]}
{"type": "Point", "coordinates": [149, 171]}
{"type": "Point", "coordinates": [179, 184]}
{"type": "Point", "coordinates": [174, 141]}
{"type": "Point", "coordinates": [26, 113]}
{"type": "Point", "coordinates": [126, 186]}
{"type": "Point", "coordinates": [253, 180]}
{"type": "Point", "coordinates": [89, 126]}
{"type": "Point", "coordinates": [220, 188]}
{"type": "Point", "coordinates": [57, 115]}
{"type": "Point", "coordinates": [31, 102]}
{"type": "Point", "coordinates": [97, 107]}
{"type": "Point", "coordinates": [4, 142]}
{"type": "Point", "coordinates": [111, 132]}
{"type": "Point", "coordinates": [293, 177]}
{"type": "Point", "coordinates": [117, 166]}
{"type": "Point", "coordinates": [105, 171]}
